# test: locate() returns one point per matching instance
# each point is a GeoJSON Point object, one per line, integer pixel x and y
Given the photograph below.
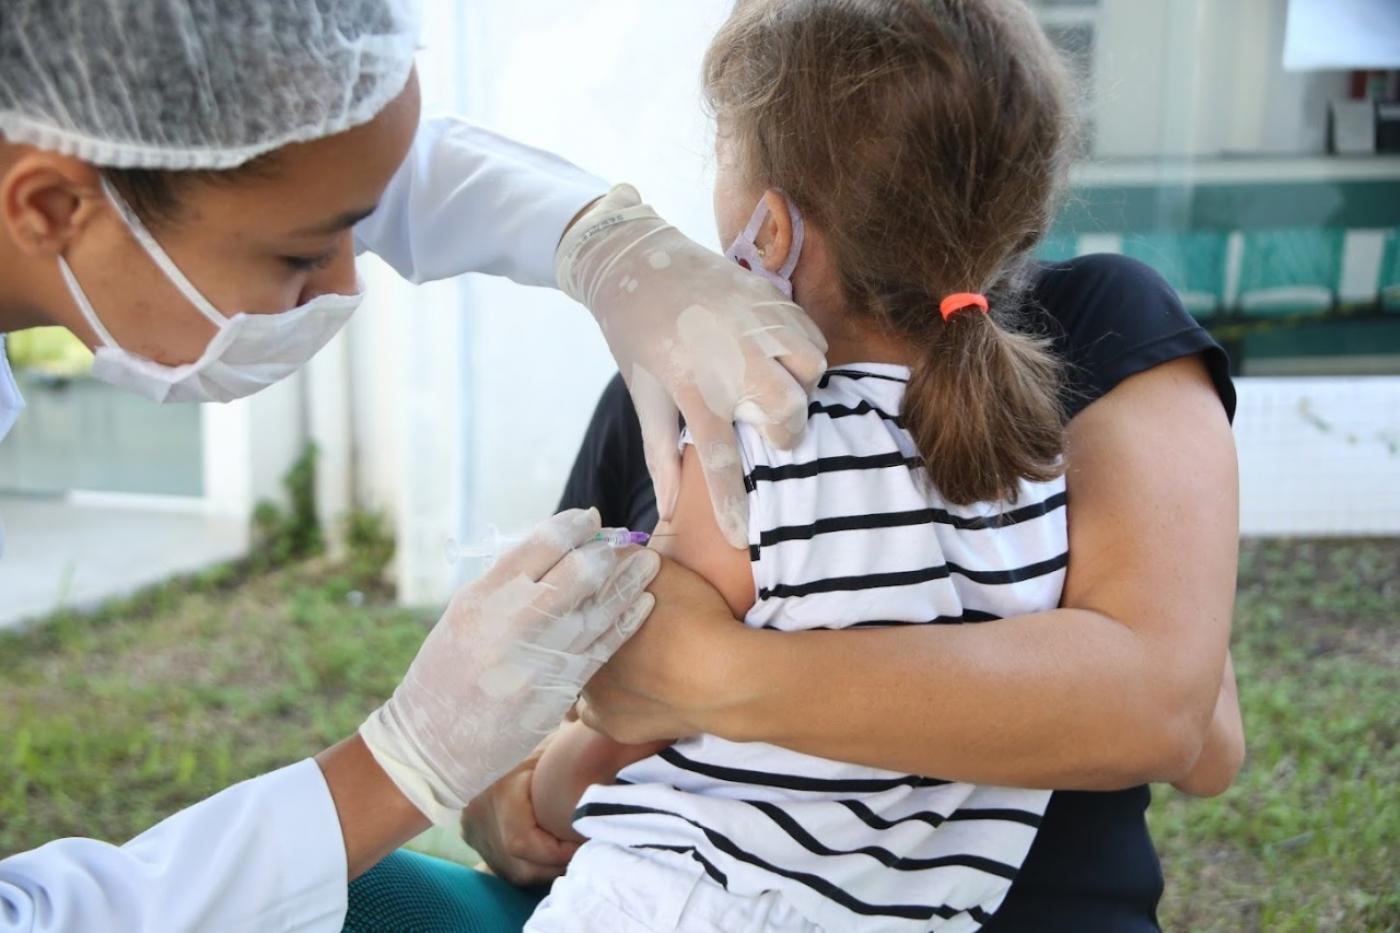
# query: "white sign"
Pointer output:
{"type": "Point", "coordinates": [1342, 34]}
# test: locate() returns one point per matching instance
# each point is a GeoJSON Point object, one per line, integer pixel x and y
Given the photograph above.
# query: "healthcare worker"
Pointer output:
{"type": "Point", "coordinates": [183, 185]}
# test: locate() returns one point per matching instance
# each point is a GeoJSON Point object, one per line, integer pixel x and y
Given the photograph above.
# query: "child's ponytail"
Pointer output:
{"type": "Point", "coordinates": [983, 407]}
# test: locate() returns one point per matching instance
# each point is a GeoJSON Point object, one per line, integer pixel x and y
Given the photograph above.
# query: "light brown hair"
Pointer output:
{"type": "Point", "coordinates": [928, 140]}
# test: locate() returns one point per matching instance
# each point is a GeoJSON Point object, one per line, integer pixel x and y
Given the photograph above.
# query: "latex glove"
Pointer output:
{"type": "Point", "coordinates": [506, 661]}
{"type": "Point", "coordinates": [692, 333]}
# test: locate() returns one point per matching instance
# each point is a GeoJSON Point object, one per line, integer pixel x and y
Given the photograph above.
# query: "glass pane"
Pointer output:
{"type": "Point", "coordinates": [1268, 198]}
{"type": "Point", "coordinates": [78, 433]}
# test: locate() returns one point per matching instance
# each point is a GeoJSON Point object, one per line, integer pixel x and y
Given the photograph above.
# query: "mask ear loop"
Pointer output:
{"type": "Point", "coordinates": [799, 234]}
{"type": "Point", "coordinates": [162, 259]}
{"type": "Point", "coordinates": [756, 219]}
{"type": "Point", "coordinates": [80, 298]}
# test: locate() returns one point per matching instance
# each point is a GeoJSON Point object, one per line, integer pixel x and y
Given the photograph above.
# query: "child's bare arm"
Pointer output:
{"type": "Point", "coordinates": [575, 758]}
{"type": "Point", "coordinates": [692, 539]}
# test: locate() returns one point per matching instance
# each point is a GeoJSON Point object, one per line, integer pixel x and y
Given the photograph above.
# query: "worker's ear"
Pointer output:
{"type": "Point", "coordinates": [774, 238]}
{"type": "Point", "coordinates": [47, 200]}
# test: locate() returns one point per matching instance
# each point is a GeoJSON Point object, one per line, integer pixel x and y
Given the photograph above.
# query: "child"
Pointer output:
{"type": "Point", "coordinates": [905, 156]}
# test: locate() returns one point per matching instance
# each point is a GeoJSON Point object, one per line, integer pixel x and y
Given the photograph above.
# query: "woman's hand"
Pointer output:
{"type": "Point", "coordinates": [681, 673]}
{"type": "Point", "coordinates": [500, 825]}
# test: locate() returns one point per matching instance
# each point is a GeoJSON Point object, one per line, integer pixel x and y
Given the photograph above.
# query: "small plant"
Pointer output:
{"type": "Point", "coordinates": [281, 536]}
{"type": "Point", "coordinates": [371, 546]}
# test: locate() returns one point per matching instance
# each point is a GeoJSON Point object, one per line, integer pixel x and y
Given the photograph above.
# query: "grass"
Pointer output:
{"type": "Point", "coordinates": [108, 723]}
{"type": "Point", "coordinates": [1309, 836]}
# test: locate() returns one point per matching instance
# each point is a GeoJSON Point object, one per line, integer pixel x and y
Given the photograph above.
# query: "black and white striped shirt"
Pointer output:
{"type": "Point", "coordinates": [846, 531]}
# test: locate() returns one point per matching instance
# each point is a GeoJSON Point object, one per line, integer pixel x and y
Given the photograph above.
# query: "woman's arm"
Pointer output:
{"type": "Point", "coordinates": [1222, 754]}
{"type": "Point", "coordinates": [270, 853]}
{"type": "Point", "coordinates": [431, 222]}
{"type": "Point", "coordinates": [1116, 688]}
{"type": "Point", "coordinates": [375, 817]}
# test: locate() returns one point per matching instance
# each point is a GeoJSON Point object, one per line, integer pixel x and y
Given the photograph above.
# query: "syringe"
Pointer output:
{"type": "Point", "coordinates": [495, 544]}
{"type": "Point", "coordinates": [621, 537]}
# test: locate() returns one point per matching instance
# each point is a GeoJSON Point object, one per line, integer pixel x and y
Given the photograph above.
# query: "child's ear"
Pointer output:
{"type": "Point", "coordinates": [774, 238]}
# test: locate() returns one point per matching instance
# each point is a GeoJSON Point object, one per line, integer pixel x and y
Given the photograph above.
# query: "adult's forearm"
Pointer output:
{"type": "Point", "coordinates": [1066, 699]}
{"type": "Point", "coordinates": [1222, 753]}
{"type": "Point", "coordinates": [375, 818]}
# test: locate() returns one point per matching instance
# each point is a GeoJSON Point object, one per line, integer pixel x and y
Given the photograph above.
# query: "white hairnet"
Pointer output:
{"type": "Point", "coordinates": [196, 84]}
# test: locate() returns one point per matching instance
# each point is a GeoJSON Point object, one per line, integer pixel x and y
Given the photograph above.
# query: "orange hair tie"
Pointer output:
{"type": "Point", "coordinates": [955, 303]}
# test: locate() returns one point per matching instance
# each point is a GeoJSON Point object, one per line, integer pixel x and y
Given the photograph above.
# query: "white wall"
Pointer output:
{"type": "Point", "coordinates": [410, 405]}
{"type": "Point", "coordinates": [1203, 78]}
{"type": "Point", "coordinates": [249, 445]}
{"type": "Point", "coordinates": [1319, 456]}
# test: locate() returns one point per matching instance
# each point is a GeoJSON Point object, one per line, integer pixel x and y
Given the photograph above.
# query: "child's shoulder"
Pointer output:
{"type": "Point", "coordinates": [871, 389]}
{"type": "Point", "coordinates": [853, 411]}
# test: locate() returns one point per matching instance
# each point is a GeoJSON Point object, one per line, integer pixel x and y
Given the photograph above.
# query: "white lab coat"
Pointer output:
{"type": "Point", "coordinates": [267, 854]}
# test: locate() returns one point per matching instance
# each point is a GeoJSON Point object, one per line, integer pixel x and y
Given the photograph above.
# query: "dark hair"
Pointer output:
{"type": "Point", "coordinates": [929, 141]}
{"type": "Point", "coordinates": [157, 195]}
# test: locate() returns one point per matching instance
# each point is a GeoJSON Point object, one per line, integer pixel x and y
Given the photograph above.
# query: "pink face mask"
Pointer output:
{"type": "Point", "coordinates": [744, 249]}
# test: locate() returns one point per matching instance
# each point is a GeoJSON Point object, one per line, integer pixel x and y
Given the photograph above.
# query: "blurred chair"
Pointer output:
{"type": "Point", "coordinates": [1389, 284]}
{"type": "Point", "coordinates": [1290, 271]}
{"type": "Point", "coordinates": [1057, 247]}
{"type": "Point", "coordinates": [1192, 262]}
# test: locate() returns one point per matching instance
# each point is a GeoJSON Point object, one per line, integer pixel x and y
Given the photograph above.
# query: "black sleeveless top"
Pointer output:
{"type": "Point", "coordinates": [1092, 866]}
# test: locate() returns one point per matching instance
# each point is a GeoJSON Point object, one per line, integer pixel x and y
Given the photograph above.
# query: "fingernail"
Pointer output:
{"type": "Point", "coordinates": [599, 561]}
{"type": "Point", "coordinates": [640, 569]}
{"type": "Point", "coordinates": [734, 522]}
{"type": "Point", "coordinates": [578, 527]}
{"type": "Point", "coordinates": [666, 495]}
{"type": "Point", "coordinates": [636, 614]}
{"type": "Point", "coordinates": [751, 412]}
{"type": "Point", "coordinates": [797, 422]}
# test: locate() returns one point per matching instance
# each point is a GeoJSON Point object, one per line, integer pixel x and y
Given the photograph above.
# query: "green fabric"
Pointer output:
{"type": "Point", "coordinates": [413, 893]}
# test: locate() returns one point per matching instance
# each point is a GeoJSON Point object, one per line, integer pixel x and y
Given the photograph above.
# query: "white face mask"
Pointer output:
{"type": "Point", "coordinates": [250, 352]}
{"type": "Point", "coordinates": [744, 249]}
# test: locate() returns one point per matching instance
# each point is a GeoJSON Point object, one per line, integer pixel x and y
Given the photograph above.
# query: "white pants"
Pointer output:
{"type": "Point", "coordinates": [609, 889]}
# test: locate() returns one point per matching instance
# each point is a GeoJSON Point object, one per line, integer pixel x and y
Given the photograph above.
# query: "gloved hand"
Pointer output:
{"type": "Point", "coordinates": [506, 661]}
{"type": "Point", "coordinates": [692, 333]}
